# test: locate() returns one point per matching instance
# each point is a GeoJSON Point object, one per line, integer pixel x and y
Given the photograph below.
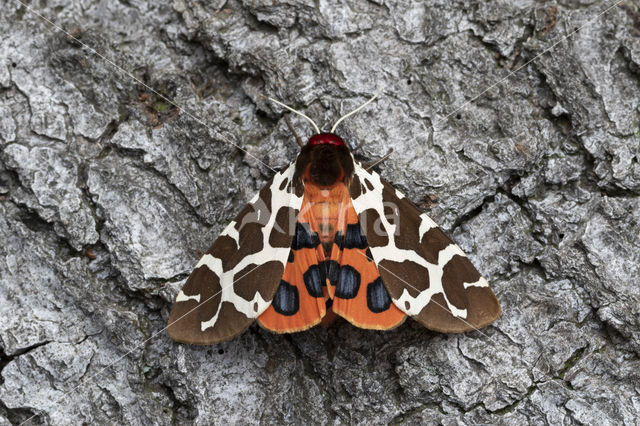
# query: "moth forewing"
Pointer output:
{"type": "Point", "coordinates": [236, 278]}
{"type": "Point", "coordinates": [427, 275]}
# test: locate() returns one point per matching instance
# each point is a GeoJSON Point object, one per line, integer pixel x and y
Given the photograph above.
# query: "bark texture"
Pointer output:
{"type": "Point", "coordinates": [522, 143]}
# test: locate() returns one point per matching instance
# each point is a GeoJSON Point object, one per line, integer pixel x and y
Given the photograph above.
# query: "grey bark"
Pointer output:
{"type": "Point", "coordinates": [107, 191]}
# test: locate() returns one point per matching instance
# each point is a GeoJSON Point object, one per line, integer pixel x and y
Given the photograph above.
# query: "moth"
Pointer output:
{"type": "Point", "coordinates": [329, 237]}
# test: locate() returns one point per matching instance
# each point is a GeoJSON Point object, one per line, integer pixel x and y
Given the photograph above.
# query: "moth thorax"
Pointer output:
{"type": "Point", "coordinates": [325, 168]}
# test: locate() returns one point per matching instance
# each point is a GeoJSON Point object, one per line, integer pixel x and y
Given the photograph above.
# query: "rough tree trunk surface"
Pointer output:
{"type": "Point", "coordinates": [107, 191]}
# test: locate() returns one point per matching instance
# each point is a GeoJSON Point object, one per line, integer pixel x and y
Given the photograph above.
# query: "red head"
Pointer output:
{"type": "Point", "coordinates": [326, 138]}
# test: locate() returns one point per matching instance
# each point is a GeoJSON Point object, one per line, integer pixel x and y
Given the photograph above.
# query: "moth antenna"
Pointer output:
{"type": "Point", "coordinates": [315, 126]}
{"type": "Point", "coordinates": [355, 110]}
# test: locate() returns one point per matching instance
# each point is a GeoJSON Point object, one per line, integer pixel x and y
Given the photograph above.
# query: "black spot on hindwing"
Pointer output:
{"type": "Point", "coordinates": [286, 300]}
{"type": "Point", "coordinates": [314, 279]}
{"type": "Point", "coordinates": [304, 237]}
{"type": "Point", "coordinates": [378, 299]}
{"type": "Point", "coordinates": [291, 257]}
{"type": "Point", "coordinates": [331, 270]}
{"type": "Point", "coordinates": [348, 283]}
{"type": "Point", "coordinates": [354, 238]}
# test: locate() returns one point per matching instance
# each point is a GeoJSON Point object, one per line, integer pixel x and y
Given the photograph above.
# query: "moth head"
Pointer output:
{"type": "Point", "coordinates": [326, 139]}
{"type": "Point", "coordinates": [325, 159]}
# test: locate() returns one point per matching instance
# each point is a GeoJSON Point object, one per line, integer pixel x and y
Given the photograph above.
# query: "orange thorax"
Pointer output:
{"type": "Point", "coordinates": [326, 210]}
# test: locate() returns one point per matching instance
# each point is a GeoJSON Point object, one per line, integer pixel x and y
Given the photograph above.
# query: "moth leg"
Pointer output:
{"type": "Point", "coordinates": [375, 163]}
{"type": "Point", "coordinates": [286, 119]}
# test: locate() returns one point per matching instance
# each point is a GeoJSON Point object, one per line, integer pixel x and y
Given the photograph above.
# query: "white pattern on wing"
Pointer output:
{"type": "Point", "coordinates": [257, 305]}
{"type": "Point", "coordinates": [240, 304]}
{"type": "Point", "coordinates": [181, 297]}
{"type": "Point", "coordinates": [213, 263]}
{"type": "Point", "coordinates": [416, 304]}
{"type": "Point", "coordinates": [425, 225]}
{"type": "Point", "coordinates": [373, 199]}
{"type": "Point", "coordinates": [480, 283]}
{"type": "Point", "coordinates": [231, 232]}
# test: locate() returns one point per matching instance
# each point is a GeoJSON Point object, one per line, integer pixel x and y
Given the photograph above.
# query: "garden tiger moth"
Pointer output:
{"type": "Point", "coordinates": [328, 236]}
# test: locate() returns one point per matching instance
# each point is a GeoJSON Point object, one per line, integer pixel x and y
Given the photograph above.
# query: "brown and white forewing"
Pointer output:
{"type": "Point", "coordinates": [427, 275]}
{"type": "Point", "coordinates": [235, 280]}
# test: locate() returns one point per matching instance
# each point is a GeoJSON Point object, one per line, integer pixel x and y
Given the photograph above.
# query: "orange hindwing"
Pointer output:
{"type": "Point", "coordinates": [360, 295]}
{"type": "Point", "coordinates": [329, 267]}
